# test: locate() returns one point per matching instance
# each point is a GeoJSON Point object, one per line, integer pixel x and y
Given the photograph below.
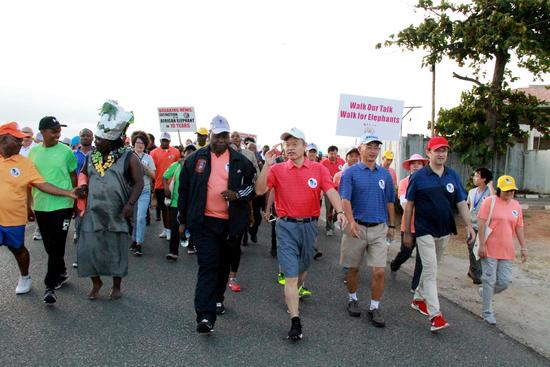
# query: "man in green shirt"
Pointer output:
{"type": "Point", "coordinates": [173, 173]}
{"type": "Point", "coordinates": [56, 163]}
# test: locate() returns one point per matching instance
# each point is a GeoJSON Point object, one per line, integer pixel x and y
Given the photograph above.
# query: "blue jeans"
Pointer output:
{"type": "Point", "coordinates": [497, 276]}
{"type": "Point", "coordinates": [140, 214]}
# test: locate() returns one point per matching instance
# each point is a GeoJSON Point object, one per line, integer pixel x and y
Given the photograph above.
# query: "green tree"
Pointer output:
{"type": "Point", "coordinates": [473, 35]}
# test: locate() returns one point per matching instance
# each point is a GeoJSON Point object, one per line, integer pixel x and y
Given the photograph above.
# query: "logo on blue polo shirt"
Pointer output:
{"type": "Point", "coordinates": [515, 213]}
{"type": "Point", "coordinates": [382, 184]}
{"type": "Point", "coordinates": [312, 183]}
{"type": "Point", "coordinates": [15, 172]}
{"type": "Point", "coordinates": [450, 187]}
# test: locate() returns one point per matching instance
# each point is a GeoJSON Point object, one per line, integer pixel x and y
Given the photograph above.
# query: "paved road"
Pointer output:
{"type": "Point", "coordinates": [153, 324]}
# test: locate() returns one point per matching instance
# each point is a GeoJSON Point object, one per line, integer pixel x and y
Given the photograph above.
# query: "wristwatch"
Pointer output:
{"type": "Point", "coordinates": [391, 226]}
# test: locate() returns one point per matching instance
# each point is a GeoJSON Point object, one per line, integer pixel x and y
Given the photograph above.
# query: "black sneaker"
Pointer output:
{"type": "Point", "coordinates": [317, 255]}
{"type": "Point", "coordinates": [353, 308]}
{"type": "Point", "coordinates": [172, 257]}
{"type": "Point", "coordinates": [376, 317]}
{"type": "Point", "coordinates": [62, 279]}
{"type": "Point", "coordinates": [254, 238]}
{"type": "Point", "coordinates": [474, 279]}
{"type": "Point", "coordinates": [138, 250]}
{"type": "Point", "coordinates": [49, 297]}
{"type": "Point", "coordinates": [133, 246]}
{"type": "Point", "coordinates": [191, 250]}
{"type": "Point", "coordinates": [220, 309]}
{"type": "Point", "coordinates": [205, 327]}
{"type": "Point", "coordinates": [295, 332]}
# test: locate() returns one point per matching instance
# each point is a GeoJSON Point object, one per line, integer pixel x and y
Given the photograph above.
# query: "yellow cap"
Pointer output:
{"type": "Point", "coordinates": [388, 154]}
{"type": "Point", "coordinates": [506, 183]}
{"type": "Point", "coordinates": [202, 131]}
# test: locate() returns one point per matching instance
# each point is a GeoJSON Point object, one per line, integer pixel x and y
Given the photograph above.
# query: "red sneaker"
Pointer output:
{"type": "Point", "coordinates": [420, 306]}
{"type": "Point", "coordinates": [235, 287]}
{"type": "Point", "coordinates": [438, 323]}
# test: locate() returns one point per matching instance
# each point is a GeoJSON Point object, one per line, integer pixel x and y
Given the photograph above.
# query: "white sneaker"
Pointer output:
{"type": "Point", "coordinates": [330, 233]}
{"type": "Point", "coordinates": [23, 285]}
{"type": "Point", "coordinates": [184, 243]}
{"type": "Point", "coordinates": [37, 236]}
{"type": "Point", "coordinates": [168, 234]}
{"type": "Point", "coordinates": [163, 234]}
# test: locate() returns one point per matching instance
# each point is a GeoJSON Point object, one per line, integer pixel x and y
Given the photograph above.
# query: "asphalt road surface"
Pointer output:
{"type": "Point", "coordinates": [153, 324]}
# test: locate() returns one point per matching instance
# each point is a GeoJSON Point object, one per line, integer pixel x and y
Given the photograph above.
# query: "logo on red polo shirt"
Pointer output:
{"type": "Point", "coordinates": [312, 183]}
{"type": "Point", "coordinates": [15, 172]}
{"type": "Point", "coordinates": [200, 166]}
{"type": "Point", "coordinates": [450, 188]}
{"type": "Point", "coordinates": [515, 213]}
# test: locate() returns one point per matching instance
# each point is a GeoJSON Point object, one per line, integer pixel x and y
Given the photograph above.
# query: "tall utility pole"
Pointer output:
{"type": "Point", "coordinates": [433, 100]}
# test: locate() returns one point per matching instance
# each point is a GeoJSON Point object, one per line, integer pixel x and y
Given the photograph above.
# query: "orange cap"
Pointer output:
{"type": "Point", "coordinates": [12, 129]}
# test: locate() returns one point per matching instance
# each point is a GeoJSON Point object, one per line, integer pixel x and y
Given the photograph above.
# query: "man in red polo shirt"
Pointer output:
{"type": "Point", "coordinates": [163, 157]}
{"type": "Point", "coordinates": [334, 164]}
{"type": "Point", "coordinates": [298, 184]}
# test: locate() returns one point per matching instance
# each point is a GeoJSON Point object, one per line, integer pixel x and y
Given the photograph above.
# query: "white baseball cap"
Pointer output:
{"type": "Point", "coordinates": [219, 125]}
{"type": "Point", "coordinates": [311, 146]}
{"type": "Point", "coordinates": [294, 133]}
{"type": "Point", "coordinates": [368, 138]}
{"type": "Point", "coordinates": [165, 136]}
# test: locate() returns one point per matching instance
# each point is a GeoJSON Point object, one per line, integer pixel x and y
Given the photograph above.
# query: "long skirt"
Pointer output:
{"type": "Point", "coordinates": [102, 253]}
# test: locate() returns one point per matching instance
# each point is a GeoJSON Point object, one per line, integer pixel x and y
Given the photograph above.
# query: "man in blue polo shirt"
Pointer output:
{"type": "Point", "coordinates": [367, 197]}
{"type": "Point", "coordinates": [433, 192]}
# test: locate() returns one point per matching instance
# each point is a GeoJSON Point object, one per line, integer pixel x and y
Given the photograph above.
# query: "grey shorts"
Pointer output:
{"type": "Point", "coordinates": [295, 246]}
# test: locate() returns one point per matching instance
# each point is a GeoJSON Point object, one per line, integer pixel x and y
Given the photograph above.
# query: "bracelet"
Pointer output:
{"type": "Point", "coordinates": [340, 212]}
{"type": "Point", "coordinates": [524, 249]}
{"type": "Point", "coordinates": [391, 226]}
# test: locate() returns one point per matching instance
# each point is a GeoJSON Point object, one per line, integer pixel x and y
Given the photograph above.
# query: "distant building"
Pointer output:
{"type": "Point", "coordinates": [536, 140]}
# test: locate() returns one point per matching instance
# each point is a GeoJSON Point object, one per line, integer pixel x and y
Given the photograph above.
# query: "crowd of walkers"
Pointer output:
{"type": "Point", "coordinates": [211, 196]}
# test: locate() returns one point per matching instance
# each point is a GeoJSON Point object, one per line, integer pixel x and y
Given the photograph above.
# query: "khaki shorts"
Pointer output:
{"type": "Point", "coordinates": [372, 241]}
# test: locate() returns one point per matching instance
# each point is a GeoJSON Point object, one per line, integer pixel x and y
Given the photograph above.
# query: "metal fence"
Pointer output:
{"type": "Point", "coordinates": [531, 169]}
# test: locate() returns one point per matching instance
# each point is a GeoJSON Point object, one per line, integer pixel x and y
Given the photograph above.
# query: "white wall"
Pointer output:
{"type": "Point", "coordinates": [537, 171]}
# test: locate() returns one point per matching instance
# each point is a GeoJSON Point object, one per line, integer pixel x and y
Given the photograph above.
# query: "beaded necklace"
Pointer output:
{"type": "Point", "coordinates": [100, 166]}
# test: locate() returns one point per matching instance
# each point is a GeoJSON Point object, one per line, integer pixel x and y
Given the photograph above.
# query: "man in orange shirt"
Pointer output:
{"type": "Point", "coordinates": [215, 185]}
{"type": "Point", "coordinates": [163, 157]}
{"type": "Point", "coordinates": [16, 174]}
{"type": "Point", "coordinates": [298, 184]}
{"type": "Point", "coordinates": [334, 164]}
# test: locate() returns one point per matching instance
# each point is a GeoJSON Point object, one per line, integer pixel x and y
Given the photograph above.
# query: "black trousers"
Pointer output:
{"type": "Point", "coordinates": [161, 207]}
{"type": "Point", "coordinates": [475, 265]}
{"type": "Point", "coordinates": [174, 232]}
{"type": "Point", "coordinates": [234, 254]}
{"type": "Point", "coordinates": [273, 231]}
{"type": "Point", "coordinates": [213, 245]}
{"type": "Point", "coordinates": [403, 255]}
{"type": "Point", "coordinates": [257, 204]}
{"type": "Point", "coordinates": [54, 227]}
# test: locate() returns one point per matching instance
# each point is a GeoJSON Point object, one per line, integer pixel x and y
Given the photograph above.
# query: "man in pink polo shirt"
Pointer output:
{"type": "Point", "coordinates": [334, 164]}
{"type": "Point", "coordinates": [298, 184]}
{"type": "Point", "coordinates": [216, 183]}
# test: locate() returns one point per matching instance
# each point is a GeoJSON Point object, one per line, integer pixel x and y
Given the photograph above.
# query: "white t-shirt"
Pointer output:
{"type": "Point", "coordinates": [475, 199]}
{"type": "Point", "coordinates": [147, 161]}
{"type": "Point", "coordinates": [25, 150]}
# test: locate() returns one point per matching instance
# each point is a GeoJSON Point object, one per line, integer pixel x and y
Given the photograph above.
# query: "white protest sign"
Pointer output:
{"type": "Point", "coordinates": [377, 116]}
{"type": "Point", "coordinates": [247, 135]}
{"type": "Point", "coordinates": [177, 119]}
